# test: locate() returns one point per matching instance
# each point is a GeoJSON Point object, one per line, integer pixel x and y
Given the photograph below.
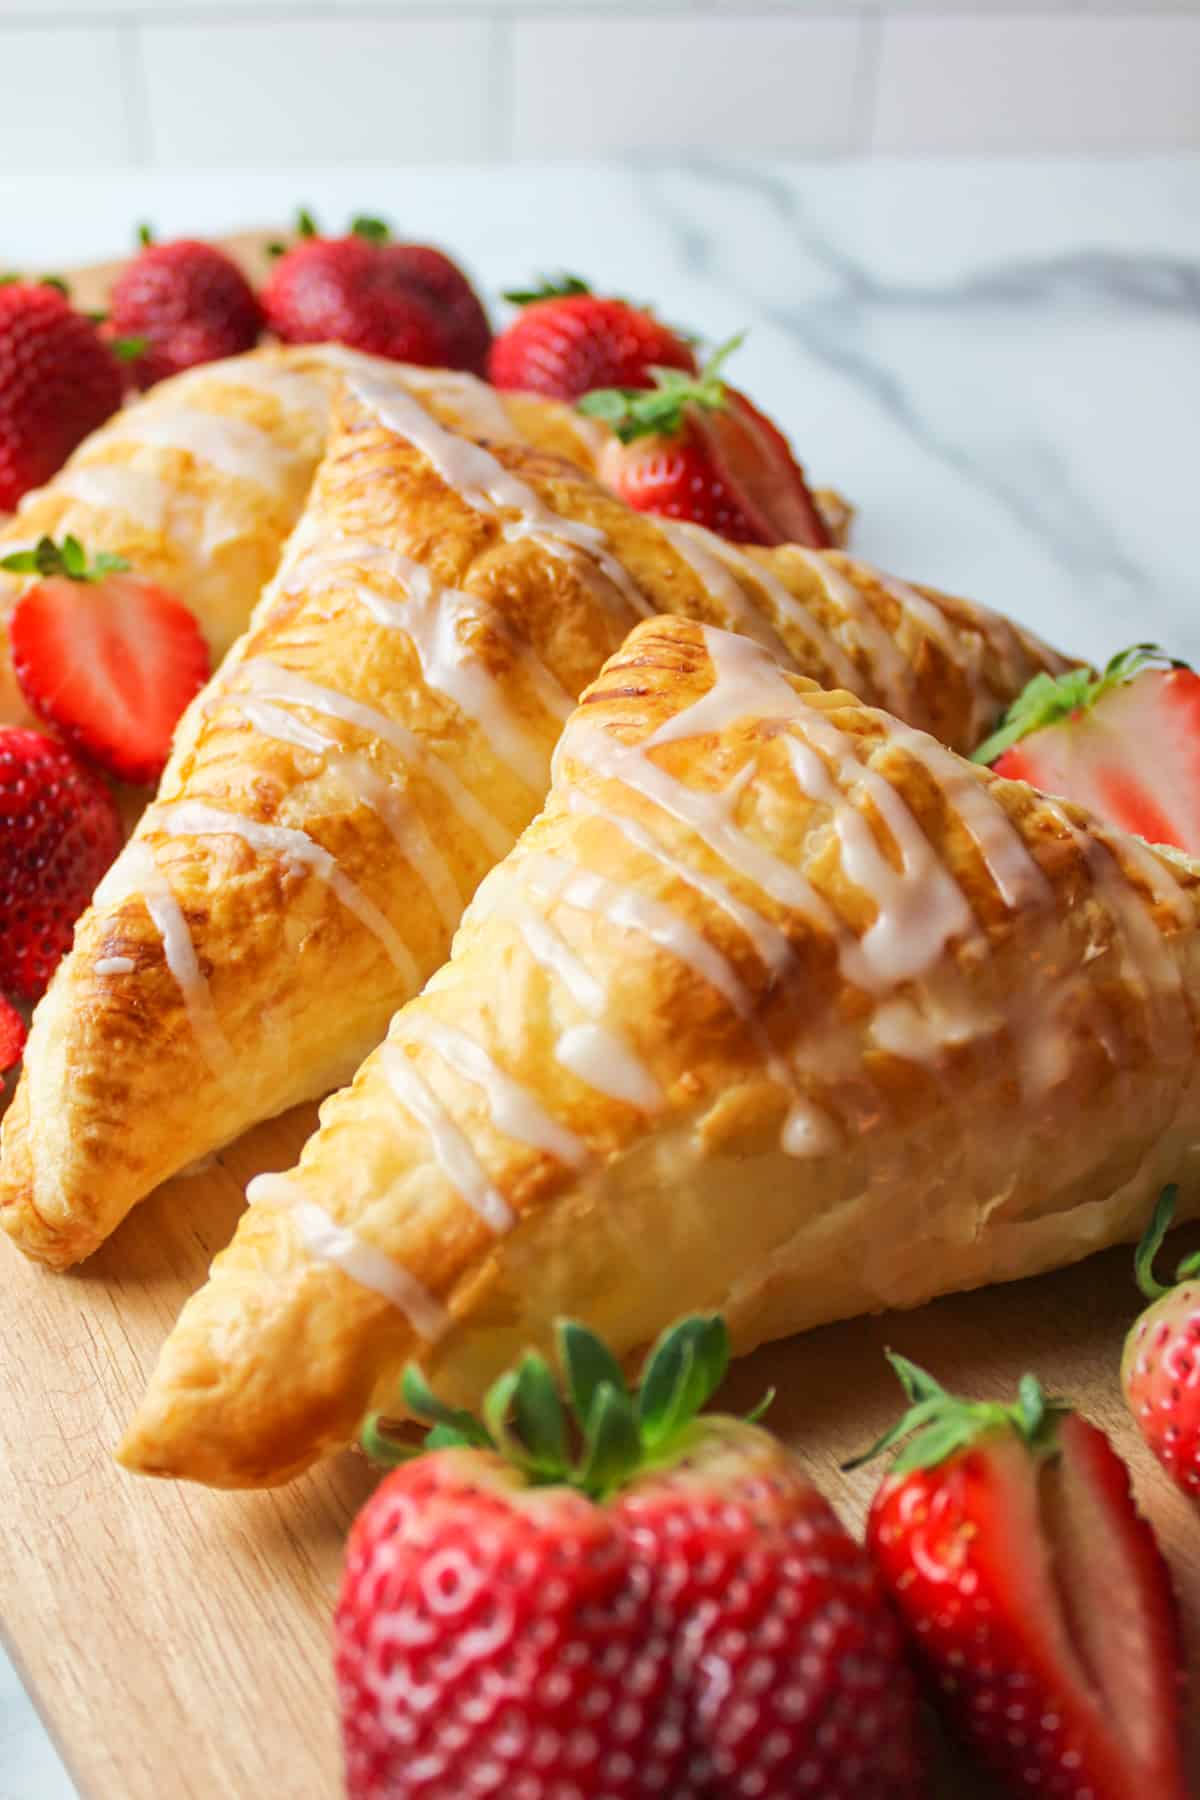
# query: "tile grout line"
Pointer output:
{"type": "Point", "coordinates": [136, 99]}
{"type": "Point", "coordinates": [501, 125]}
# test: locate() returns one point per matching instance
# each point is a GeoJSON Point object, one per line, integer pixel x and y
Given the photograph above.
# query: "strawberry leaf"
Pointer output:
{"type": "Point", "coordinates": [57, 283]}
{"type": "Point", "coordinates": [306, 225]}
{"type": "Point", "coordinates": [938, 1424]}
{"type": "Point", "coordinates": [659, 411]}
{"type": "Point", "coordinates": [614, 1446]}
{"type": "Point", "coordinates": [374, 231]}
{"type": "Point", "coordinates": [1151, 1244]}
{"type": "Point", "coordinates": [1049, 699]}
{"type": "Point", "coordinates": [423, 1403]}
{"type": "Point", "coordinates": [538, 1416]}
{"type": "Point", "coordinates": [68, 559]}
{"type": "Point", "coordinates": [145, 236]}
{"type": "Point", "coordinates": [128, 349]}
{"type": "Point", "coordinates": [381, 1445]}
{"type": "Point", "coordinates": [551, 287]}
{"type": "Point", "coordinates": [684, 1370]}
{"type": "Point", "coordinates": [586, 1362]}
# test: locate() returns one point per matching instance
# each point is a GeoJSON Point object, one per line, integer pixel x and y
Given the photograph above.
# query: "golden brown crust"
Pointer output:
{"type": "Point", "coordinates": [135, 1067]}
{"type": "Point", "coordinates": [836, 966]}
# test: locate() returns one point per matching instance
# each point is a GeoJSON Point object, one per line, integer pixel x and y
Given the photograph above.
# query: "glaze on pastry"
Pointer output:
{"type": "Point", "coordinates": [743, 1023]}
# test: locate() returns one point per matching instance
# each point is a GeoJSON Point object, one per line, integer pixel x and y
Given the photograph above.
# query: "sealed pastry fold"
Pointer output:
{"type": "Point", "coordinates": [199, 482]}
{"type": "Point", "coordinates": [368, 751]}
{"type": "Point", "coordinates": [742, 1023]}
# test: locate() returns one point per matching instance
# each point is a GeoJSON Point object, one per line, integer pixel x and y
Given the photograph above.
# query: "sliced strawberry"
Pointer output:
{"type": "Point", "coordinates": [696, 449]}
{"type": "Point", "coordinates": [1037, 1598]}
{"type": "Point", "coordinates": [1126, 744]}
{"type": "Point", "coordinates": [106, 657]}
{"type": "Point", "coordinates": [1160, 1368]}
{"type": "Point", "coordinates": [12, 1037]}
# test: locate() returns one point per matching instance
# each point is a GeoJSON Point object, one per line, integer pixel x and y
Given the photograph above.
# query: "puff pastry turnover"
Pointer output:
{"type": "Point", "coordinates": [199, 482]}
{"type": "Point", "coordinates": [371, 748]}
{"type": "Point", "coordinates": [743, 1022]}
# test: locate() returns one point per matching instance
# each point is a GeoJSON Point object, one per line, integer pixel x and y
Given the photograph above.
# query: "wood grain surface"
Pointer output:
{"type": "Point", "coordinates": [177, 1641]}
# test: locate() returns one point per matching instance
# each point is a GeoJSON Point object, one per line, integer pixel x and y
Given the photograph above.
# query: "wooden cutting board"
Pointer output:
{"type": "Point", "coordinates": [176, 1641]}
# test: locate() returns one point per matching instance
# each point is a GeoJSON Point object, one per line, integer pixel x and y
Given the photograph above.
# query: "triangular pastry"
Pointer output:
{"type": "Point", "coordinates": [779, 1008]}
{"type": "Point", "coordinates": [371, 748]}
{"type": "Point", "coordinates": [200, 481]}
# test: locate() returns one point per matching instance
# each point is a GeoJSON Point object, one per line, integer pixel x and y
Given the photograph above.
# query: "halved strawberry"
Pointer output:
{"type": "Point", "coordinates": [1038, 1600]}
{"type": "Point", "coordinates": [693, 448]}
{"type": "Point", "coordinates": [1126, 744]}
{"type": "Point", "coordinates": [12, 1038]}
{"type": "Point", "coordinates": [105, 656]}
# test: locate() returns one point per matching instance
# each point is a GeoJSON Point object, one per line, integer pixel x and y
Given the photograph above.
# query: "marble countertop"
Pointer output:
{"type": "Point", "coordinates": [999, 362]}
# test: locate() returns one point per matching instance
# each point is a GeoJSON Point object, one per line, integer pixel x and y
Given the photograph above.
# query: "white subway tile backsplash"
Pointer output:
{"type": "Point", "coordinates": [63, 98]}
{"type": "Point", "coordinates": [344, 90]}
{"type": "Point", "coordinates": [1028, 84]}
{"type": "Point", "coordinates": [587, 86]}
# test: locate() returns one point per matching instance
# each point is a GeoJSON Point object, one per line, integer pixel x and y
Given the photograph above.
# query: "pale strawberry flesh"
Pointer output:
{"type": "Point", "coordinates": [111, 665]}
{"type": "Point", "coordinates": [757, 467]}
{"type": "Point", "coordinates": [1133, 758]}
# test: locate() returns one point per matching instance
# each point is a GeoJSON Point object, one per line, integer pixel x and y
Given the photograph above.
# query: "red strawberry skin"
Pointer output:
{"type": "Point", "coordinates": [59, 831]}
{"type": "Point", "coordinates": [440, 280]}
{"type": "Point", "coordinates": [192, 304]}
{"type": "Point", "coordinates": [569, 344]}
{"type": "Point", "coordinates": [788, 1654]}
{"type": "Point", "coordinates": [975, 1551]}
{"type": "Point", "coordinates": [58, 382]}
{"type": "Point", "coordinates": [12, 1038]}
{"type": "Point", "coordinates": [1160, 1373]}
{"type": "Point", "coordinates": [491, 1640]}
{"type": "Point", "coordinates": [351, 291]}
{"type": "Point", "coordinates": [111, 664]}
{"type": "Point", "coordinates": [712, 1632]}
{"type": "Point", "coordinates": [1133, 758]}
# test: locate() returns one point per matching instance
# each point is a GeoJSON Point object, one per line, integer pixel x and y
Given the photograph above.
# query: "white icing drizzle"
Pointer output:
{"type": "Point", "coordinates": [831, 653]}
{"type": "Point", "coordinates": [338, 1245]}
{"type": "Point", "coordinates": [1019, 880]}
{"type": "Point", "coordinates": [693, 544]}
{"type": "Point", "coordinates": [477, 405]}
{"type": "Point", "coordinates": [600, 1060]}
{"type": "Point", "coordinates": [593, 1052]}
{"type": "Point", "coordinates": [191, 818]}
{"type": "Point", "coordinates": [113, 487]}
{"type": "Point", "coordinates": [890, 668]}
{"type": "Point", "coordinates": [773, 948]}
{"type": "Point", "coordinates": [515, 1110]}
{"type": "Point", "coordinates": [364, 780]}
{"type": "Point", "coordinates": [114, 965]}
{"type": "Point", "coordinates": [239, 450]}
{"type": "Point", "coordinates": [135, 874]}
{"type": "Point", "coordinates": [267, 679]}
{"type": "Point", "coordinates": [452, 1153]}
{"type": "Point", "coordinates": [488, 487]}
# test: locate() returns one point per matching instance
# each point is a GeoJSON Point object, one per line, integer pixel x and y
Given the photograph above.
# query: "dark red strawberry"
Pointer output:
{"type": "Point", "coordinates": [696, 449]}
{"type": "Point", "coordinates": [58, 382]}
{"type": "Point", "coordinates": [1037, 1599]}
{"type": "Point", "coordinates": [626, 1600]}
{"type": "Point", "coordinates": [1125, 744]}
{"type": "Point", "coordinates": [431, 273]}
{"type": "Point", "coordinates": [1160, 1370]}
{"type": "Point", "coordinates": [187, 302]}
{"type": "Point", "coordinates": [105, 656]}
{"type": "Point", "coordinates": [569, 340]}
{"type": "Point", "coordinates": [59, 831]}
{"type": "Point", "coordinates": [12, 1038]}
{"type": "Point", "coordinates": [360, 290]}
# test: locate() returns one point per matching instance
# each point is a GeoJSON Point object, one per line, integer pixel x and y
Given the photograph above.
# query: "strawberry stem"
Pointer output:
{"type": "Point", "coordinates": [374, 231]}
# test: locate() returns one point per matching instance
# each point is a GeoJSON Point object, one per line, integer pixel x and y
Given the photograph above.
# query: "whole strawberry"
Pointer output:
{"type": "Point", "coordinates": [1038, 1601]}
{"type": "Point", "coordinates": [431, 273]}
{"type": "Point", "coordinates": [1160, 1369]}
{"type": "Point", "coordinates": [58, 382]}
{"type": "Point", "coordinates": [59, 831]}
{"type": "Point", "coordinates": [1125, 743]}
{"type": "Point", "coordinates": [374, 295]}
{"type": "Point", "coordinates": [186, 302]}
{"type": "Point", "coordinates": [693, 448]}
{"type": "Point", "coordinates": [622, 1600]}
{"type": "Point", "coordinates": [568, 340]}
{"type": "Point", "coordinates": [107, 657]}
